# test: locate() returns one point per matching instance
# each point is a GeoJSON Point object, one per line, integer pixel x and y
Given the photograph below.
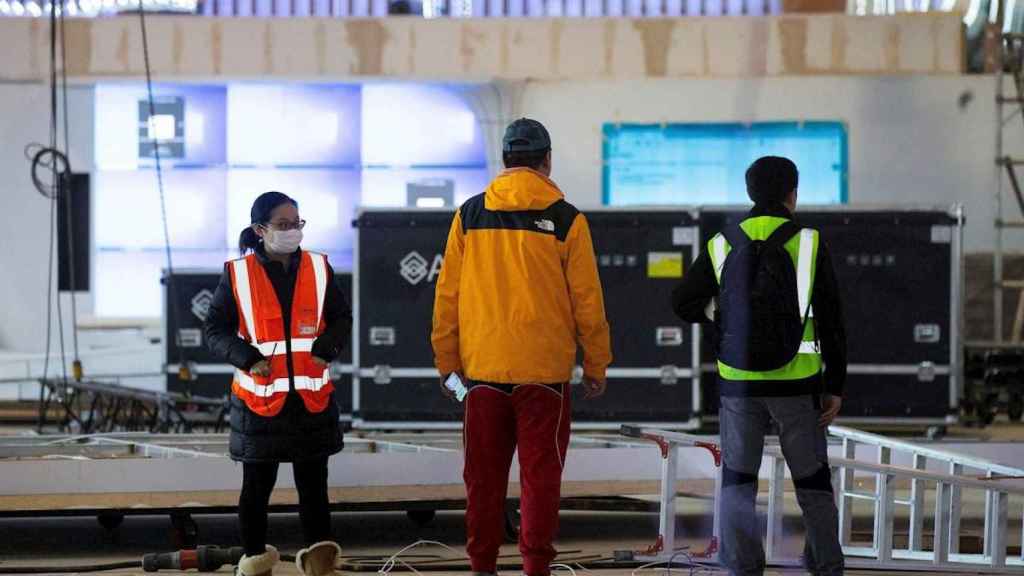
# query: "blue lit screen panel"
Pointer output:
{"type": "Point", "coordinates": [705, 163]}
{"type": "Point", "coordinates": [118, 125]}
{"type": "Point", "coordinates": [127, 211]}
{"type": "Point", "coordinates": [420, 125]}
{"type": "Point", "coordinates": [294, 125]}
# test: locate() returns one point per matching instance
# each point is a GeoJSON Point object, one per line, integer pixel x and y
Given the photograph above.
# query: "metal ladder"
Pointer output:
{"type": "Point", "coordinates": [960, 472]}
{"type": "Point", "coordinates": [948, 486]}
{"type": "Point", "coordinates": [1008, 106]}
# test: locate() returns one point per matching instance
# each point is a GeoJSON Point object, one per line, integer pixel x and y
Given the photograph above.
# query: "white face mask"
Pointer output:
{"type": "Point", "coordinates": [282, 241]}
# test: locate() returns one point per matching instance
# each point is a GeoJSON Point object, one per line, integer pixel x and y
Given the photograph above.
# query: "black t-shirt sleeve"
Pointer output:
{"type": "Point", "coordinates": [830, 323]}
{"type": "Point", "coordinates": [699, 287]}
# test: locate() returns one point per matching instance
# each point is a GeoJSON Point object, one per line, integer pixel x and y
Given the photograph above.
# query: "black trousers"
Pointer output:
{"type": "Point", "coordinates": [258, 481]}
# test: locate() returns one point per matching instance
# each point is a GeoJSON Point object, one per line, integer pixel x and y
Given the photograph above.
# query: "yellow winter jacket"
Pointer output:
{"type": "Point", "coordinates": [519, 288]}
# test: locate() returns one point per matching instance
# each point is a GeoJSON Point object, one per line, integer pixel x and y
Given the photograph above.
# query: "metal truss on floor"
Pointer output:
{"type": "Point", "coordinates": [93, 407]}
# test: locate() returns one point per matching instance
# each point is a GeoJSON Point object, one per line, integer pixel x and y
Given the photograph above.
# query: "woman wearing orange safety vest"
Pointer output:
{"type": "Point", "coordinates": [279, 319]}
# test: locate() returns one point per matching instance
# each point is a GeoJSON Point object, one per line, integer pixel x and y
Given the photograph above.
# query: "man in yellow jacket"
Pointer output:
{"type": "Point", "coordinates": [518, 292]}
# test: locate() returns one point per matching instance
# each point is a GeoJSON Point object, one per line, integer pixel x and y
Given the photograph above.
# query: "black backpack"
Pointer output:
{"type": "Point", "coordinates": [762, 325]}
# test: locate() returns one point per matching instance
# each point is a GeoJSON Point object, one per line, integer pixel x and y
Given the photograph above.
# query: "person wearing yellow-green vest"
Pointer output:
{"type": "Point", "coordinates": [768, 289]}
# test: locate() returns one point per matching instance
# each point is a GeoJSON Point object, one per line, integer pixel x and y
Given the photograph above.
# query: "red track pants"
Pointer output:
{"type": "Point", "coordinates": [498, 418]}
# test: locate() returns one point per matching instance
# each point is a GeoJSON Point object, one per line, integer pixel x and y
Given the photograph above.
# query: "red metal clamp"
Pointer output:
{"type": "Point", "coordinates": [661, 442]}
{"type": "Point", "coordinates": [714, 449]}
{"type": "Point", "coordinates": [708, 552]}
{"type": "Point", "coordinates": [657, 547]}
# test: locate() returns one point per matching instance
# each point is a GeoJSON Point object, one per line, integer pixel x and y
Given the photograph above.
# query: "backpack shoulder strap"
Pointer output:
{"type": "Point", "coordinates": [735, 236]}
{"type": "Point", "coordinates": [783, 234]}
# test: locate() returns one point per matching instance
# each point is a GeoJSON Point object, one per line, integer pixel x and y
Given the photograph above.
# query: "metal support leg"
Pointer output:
{"type": "Point", "coordinates": [917, 489]}
{"type": "Point", "coordinates": [716, 524]}
{"type": "Point", "coordinates": [845, 487]}
{"type": "Point", "coordinates": [883, 509]}
{"type": "Point", "coordinates": [989, 519]}
{"type": "Point", "coordinates": [44, 406]}
{"type": "Point", "coordinates": [835, 473]}
{"type": "Point", "coordinates": [884, 518]}
{"type": "Point", "coordinates": [1000, 506]}
{"type": "Point", "coordinates": [942, 518]}
{"type": "Point", "coordinates": [162, 416]}
{"type": "Point", "coordinates": [997, 252]}
{"type": "Point", "coordinates": [667, 529]}
{"type": "Point", "coordinates": [776, 507]}
{"type": "Point", "coordinates": [955, 498]}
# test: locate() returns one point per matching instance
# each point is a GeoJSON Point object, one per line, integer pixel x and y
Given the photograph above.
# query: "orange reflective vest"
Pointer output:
{"type": "Point", "coordinates": [261, 323]}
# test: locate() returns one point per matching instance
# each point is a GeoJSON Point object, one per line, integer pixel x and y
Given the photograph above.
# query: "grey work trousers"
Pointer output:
{"type": "Point", "coordinates": [744, 423]}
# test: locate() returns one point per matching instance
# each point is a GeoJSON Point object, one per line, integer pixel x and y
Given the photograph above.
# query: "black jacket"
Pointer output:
{"type": "Point", "coordinates": [692, 296]}
{"type": "Point", "coordinates": [293, 434]}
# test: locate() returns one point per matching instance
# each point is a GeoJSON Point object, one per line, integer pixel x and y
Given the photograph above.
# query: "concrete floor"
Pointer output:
{"type": "Point", "coordinates": [70, 541]}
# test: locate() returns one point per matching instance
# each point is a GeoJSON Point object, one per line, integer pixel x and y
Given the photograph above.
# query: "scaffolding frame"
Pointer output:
{"type": "Point", "coordinates": [1008, 107]}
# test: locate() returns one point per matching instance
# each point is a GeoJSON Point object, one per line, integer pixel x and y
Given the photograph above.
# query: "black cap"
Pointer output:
{"type": "Point", "coordinates": [526, 135]}
{"type": "Point", "coordinates": [771, 179]}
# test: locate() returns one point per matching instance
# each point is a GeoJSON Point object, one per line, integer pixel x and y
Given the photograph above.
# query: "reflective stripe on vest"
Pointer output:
{"type": "Point", "coordinates": [804, 272]}
{"type": "Point", "coordinates": [803, 249]}
{"type": "Point", "coordinates": [719, 250]}
{"type": "Point", "coordinates": [280, 385]}
{"type": "Point", "coordinates": [256, 298]}
{"type": "Point", "coordinates": [320, 277]}
{"type": "Point", "coordinates": [276, 347]}
{"type": "Point", "coordinates": [243, 296]}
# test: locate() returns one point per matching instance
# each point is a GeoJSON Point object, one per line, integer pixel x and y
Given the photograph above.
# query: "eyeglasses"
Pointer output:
{"type": "Point", "coordinates": [284, 225]}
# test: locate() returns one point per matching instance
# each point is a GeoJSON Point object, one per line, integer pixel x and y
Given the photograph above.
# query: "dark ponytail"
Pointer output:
{"type": "Point", "coordinates": [247, 240]}
{"type": "Point", "coordinates": [260, 214]}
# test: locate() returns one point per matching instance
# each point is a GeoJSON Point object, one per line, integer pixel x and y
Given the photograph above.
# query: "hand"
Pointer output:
{"type": "Point", "coordinates": [450, 394]}
{"type": "Point", "coordinates": [320, 362]}
{"type": "Point", "coordinates": [444, 389]}
{"type": "Point", "coordinates": [830, 406]}
{"type": "Point", "coordinates": [261, 368]}
{"type": "Point", "coordinates": [593, 388]}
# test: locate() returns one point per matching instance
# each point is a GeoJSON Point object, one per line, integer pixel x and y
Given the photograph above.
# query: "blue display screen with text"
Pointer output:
{"type": "Point", "coordinates": [691, 164]}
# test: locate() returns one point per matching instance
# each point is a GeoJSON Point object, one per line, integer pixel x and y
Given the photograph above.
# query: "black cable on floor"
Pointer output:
{"type": "Point", "coordinates": [134, 564]}
{"type": "Point", "coordinates": [364, 564]}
